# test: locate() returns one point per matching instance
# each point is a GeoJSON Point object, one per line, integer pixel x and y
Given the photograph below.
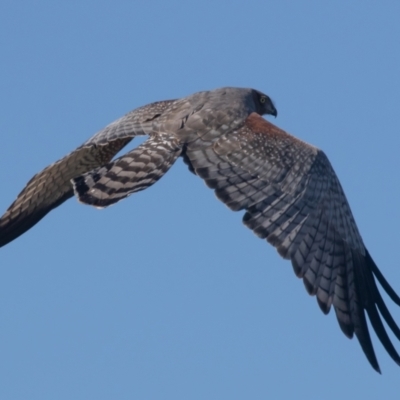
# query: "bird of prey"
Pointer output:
{"type": "Point", "coordinates": [288, 189]}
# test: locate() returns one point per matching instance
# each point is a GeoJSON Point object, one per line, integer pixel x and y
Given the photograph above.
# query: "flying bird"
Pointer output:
{"type": "Point", "coordinates": [288, 189]}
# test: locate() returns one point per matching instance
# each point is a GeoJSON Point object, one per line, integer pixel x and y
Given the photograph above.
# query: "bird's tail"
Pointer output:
{"type": "Point", "coordinates": [134, 171]}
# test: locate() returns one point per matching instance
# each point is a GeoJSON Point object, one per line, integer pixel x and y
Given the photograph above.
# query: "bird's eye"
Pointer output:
{"type": "Point", "coordinates": [263, 99]}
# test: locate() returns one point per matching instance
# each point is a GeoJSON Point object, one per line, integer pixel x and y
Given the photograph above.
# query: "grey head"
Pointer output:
{"type": "Point", "coordinates": [264, 104]}
{"type": "Point", "coordinates": [243, 100]}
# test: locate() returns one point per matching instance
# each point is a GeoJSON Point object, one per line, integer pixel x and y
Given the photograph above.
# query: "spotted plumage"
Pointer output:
{"type": "Point", "coordinates": [287, 188]}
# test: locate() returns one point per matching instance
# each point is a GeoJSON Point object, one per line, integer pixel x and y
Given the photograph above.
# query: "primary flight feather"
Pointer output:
{"type": "Point", "coordinates": [288, 189]}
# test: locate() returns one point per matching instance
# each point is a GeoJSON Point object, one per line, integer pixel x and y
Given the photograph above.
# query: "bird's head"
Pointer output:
{"type": "Point", "coordinates": [264, 104]}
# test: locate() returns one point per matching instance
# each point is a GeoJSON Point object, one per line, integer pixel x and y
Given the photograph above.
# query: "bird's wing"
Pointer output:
{"type": "Point", "coordinates": [134, 171]}
{"type": "Point", "coordinates": [139, 121]}
{"type": "Point", "coordinates": [294, 200]}
{"type": "Point", "coordinates": [51, 187]}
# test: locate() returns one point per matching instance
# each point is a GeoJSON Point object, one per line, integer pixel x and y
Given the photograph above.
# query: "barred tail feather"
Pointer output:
{"type": "Point", "coordinates": [135, 171]}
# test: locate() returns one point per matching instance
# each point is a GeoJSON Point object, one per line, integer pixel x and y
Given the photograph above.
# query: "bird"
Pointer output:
{"type": "Point", "coordinates": [287, 188]}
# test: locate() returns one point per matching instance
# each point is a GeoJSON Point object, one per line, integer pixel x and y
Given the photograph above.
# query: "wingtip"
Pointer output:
{"type": "Point", "coordinates": [382, 280]}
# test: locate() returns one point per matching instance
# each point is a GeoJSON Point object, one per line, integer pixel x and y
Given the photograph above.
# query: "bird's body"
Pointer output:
{"type": "Point", "coordinates": [288, 189]}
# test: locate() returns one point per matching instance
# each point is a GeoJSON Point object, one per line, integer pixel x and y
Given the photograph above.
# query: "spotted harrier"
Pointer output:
{"type": "Point", "coordinates": [288, 189]}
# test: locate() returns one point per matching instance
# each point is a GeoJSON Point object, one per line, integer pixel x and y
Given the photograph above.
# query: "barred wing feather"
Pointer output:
{"type": "Point", "coordinates": [293, 199]}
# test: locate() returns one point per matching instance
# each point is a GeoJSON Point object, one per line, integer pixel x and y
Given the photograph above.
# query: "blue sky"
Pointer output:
{"type": "Point", "coordinates": [166, 295]}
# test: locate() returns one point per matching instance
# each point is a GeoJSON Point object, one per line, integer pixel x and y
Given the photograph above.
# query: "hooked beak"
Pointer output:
{"type": "Point", "coordinates": [273, 111]}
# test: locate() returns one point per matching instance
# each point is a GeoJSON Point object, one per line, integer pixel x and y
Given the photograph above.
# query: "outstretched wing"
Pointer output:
{"type": "Point", "coordinates": [134, 171]}
{"type": "Point", "coordinates": [294, 200]}
{"type": "Point", "coordinates": [51, 187]}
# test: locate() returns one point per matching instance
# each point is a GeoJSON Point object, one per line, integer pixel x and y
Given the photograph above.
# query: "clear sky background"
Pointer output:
{"type": "Point", "coordinates": [166, 295]}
